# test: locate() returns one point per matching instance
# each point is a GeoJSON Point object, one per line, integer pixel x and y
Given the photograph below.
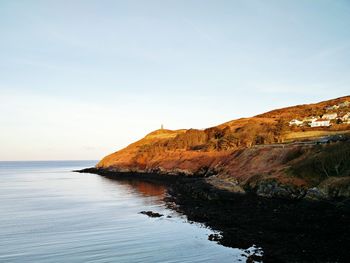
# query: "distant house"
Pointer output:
{"type": "Point", "coordinates": [295, 122]}
{"type": "Point", "coordinates": [344, 104]}
{"type": "Point", "coordinates": [320, 123]}
{"type": "Point", "coordinates": [330, 116]}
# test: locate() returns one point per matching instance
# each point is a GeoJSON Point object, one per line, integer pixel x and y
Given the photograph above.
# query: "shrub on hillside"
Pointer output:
{"type": "Point", "coordinates": [324, 161]}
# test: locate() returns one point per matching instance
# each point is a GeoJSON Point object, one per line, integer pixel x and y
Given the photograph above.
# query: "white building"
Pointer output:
{"type": "Point", "coordinates": [320, 123]}
{"type": "Point", "coordinates": [330, 116]}
{"type": "Point", "coordinates": [295, 122]}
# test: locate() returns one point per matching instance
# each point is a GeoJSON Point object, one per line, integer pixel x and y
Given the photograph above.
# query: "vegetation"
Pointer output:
{"type": "Point", "coordinates": [268, 128]}
{"type": "Point", "coordinates": [218, 147]}
{"type": "Point", "coordinates": [326, 161]}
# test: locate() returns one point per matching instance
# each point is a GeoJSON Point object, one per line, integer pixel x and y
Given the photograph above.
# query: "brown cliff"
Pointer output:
{"type": "Point", "coordinates": [262, 154]}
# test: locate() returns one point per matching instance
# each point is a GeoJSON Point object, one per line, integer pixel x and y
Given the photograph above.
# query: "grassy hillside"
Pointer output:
{"type": "Point", "coordinates": [246, 154]}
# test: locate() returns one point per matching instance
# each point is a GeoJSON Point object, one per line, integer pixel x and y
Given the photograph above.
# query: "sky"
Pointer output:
{"type": "Point", "coordinates": [82, 79]}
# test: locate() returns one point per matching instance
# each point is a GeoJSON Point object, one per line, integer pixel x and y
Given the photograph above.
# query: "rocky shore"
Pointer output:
{"type": "Point", "coordinates": [262, 155]}
{"type": "Point", "coordinates": [288, 230]}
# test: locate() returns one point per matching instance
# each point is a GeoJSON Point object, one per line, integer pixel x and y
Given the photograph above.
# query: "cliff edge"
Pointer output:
{"type": "Point", "coordinates": [295, 152]}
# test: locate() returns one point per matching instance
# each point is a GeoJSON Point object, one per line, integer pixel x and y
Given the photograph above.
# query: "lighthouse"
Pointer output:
{"type": "Point", "coordinates": [162, 127]}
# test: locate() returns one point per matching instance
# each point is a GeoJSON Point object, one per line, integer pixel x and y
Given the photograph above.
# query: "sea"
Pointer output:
{"type": "Point", "coordinates": [51, 214]}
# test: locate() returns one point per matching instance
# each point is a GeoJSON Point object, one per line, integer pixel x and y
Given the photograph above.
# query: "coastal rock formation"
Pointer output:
{"type": "Point", "coordinates": [262, 154]}
{"type": "Point", "coordinates": [151, 214]}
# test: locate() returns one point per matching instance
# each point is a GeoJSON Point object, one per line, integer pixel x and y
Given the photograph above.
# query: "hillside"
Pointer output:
{"type": "Point", "coordinates": [257, 154]}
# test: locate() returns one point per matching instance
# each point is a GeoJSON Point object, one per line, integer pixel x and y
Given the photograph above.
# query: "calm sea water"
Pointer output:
{"type": "Point", "coordinates": [50, 214]}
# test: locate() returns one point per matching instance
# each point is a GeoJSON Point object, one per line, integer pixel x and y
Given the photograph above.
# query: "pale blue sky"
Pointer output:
{"type": "Point", "coordinates": [80, 79]}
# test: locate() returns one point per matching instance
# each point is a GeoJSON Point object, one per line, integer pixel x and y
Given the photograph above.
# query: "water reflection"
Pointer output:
{"type": "Point", "coordinates": [89, 218]}
{"type": "Point", "coordinates": [142, 187]}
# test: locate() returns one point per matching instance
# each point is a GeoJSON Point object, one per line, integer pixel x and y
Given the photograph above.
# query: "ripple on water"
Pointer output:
{"type": "Point", "coordinates": [50, 214]}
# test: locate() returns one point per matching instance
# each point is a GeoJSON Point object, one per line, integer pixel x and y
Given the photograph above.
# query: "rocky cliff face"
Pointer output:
{"type": "Point", "coordinates": [246, 155]}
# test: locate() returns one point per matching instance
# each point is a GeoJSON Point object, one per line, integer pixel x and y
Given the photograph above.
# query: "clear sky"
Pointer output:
{"type": "Point", "coordinates": [81, 79]}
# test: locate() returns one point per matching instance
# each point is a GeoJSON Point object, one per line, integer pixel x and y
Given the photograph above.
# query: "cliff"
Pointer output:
{"type": "Point", "coordinates": [263, 154]}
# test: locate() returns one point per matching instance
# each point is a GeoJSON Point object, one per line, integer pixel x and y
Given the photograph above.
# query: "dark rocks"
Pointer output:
{"type": "Point", "coordinates": [315, 194]}
{"type": "Point", "coordinates": [274, 189]}
{"type": "Point", "coordinates": [214, 237]}
{"type": "Point", "coordinates": [333, 188]}
{"type": "Point", "coordinates": [287, 230]}
{"type": "Point", "coordinates": [254, 258]}
{"type": "Point", "coordinates": [151, 214]}
{"type": "Point", "coordinates": [92, 170]}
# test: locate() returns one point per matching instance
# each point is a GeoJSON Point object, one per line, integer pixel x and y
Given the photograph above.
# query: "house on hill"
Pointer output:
{"type": "Point", "coordinates": [320, 123]}
{"type": "Point", "coordinates": [330, 116]}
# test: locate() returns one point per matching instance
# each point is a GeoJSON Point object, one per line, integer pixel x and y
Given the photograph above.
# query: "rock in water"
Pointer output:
{"type": "Point", "coordinates": [151, 214]}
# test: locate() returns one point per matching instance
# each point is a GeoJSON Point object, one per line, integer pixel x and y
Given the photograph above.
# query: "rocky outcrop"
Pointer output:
{"type": "Point", "coordinates": [247, 155]}
{"type": "Point", "coordinates": [151, 214]}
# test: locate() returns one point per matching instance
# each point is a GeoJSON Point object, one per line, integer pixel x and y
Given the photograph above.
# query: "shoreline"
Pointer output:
{"type": "Point", "coordinates": [286, 230]}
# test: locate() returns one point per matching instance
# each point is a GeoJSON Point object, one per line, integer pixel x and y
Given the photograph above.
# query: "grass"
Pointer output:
{"type": "Point", "coordinates": [311, 134]}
